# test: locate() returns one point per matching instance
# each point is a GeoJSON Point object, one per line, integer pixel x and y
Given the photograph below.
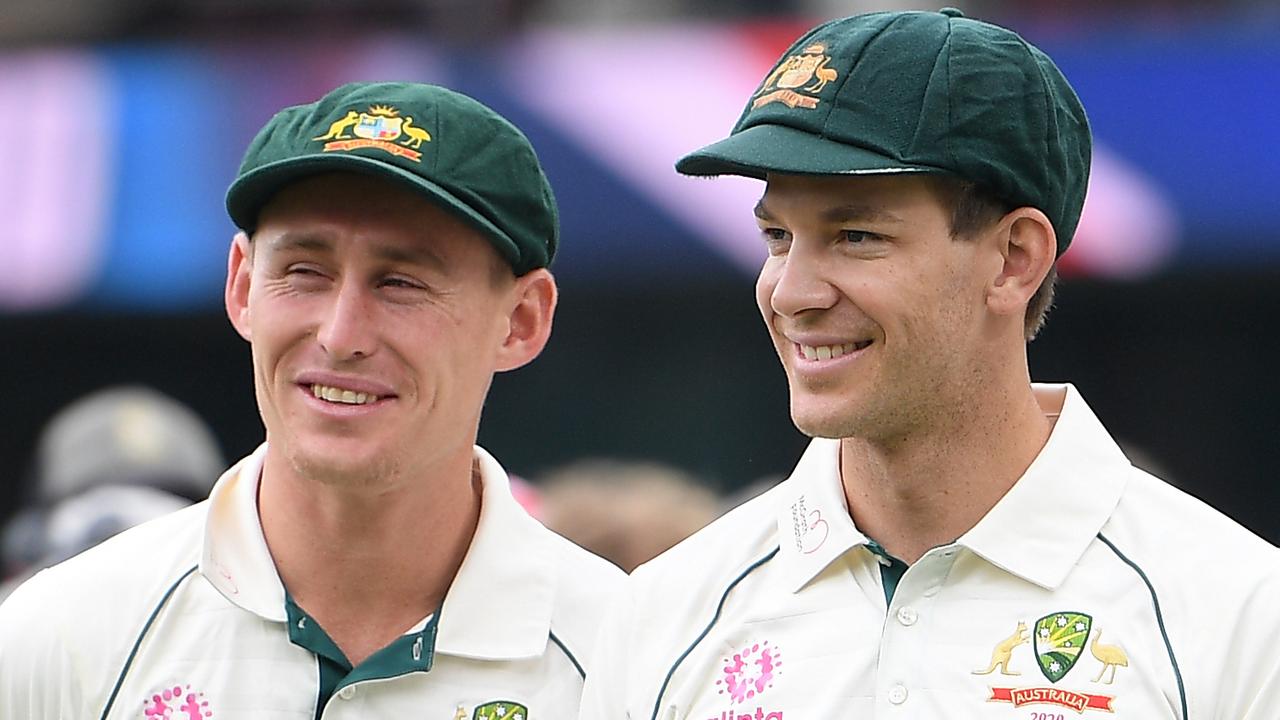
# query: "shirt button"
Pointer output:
{"type": "Point", "coordinates": [898, 694]}
{"type": "Point", "coordinates": [347, 692]}
{"type": "Point", "coordinates": [907, 616]}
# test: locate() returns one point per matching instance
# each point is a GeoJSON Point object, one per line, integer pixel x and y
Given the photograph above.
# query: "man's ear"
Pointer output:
{"type": "Point", "coordinates": [529, 323]}
{"type": "Point", "coordinates": [236, 294]}
{"type": "Point", "coordinates": [1028, 247]}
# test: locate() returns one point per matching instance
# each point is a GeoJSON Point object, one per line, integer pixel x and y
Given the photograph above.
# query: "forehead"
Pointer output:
{"type": "Point", "coordinates": [839, 197]}
{"type": "Point", "coordinates": [337, 206]}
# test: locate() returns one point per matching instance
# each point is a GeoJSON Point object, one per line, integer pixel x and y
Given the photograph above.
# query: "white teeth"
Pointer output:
{"type": "Point", "coordinates": [338, 395]}
{"type": "Point", "coordinates": [825, 352]}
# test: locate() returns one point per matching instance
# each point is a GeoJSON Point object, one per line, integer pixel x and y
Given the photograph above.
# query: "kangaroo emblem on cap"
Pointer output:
{"type": "Point", "coordinates": [382, 127]}
{"type": "Point", "coordinates": [794, 72]}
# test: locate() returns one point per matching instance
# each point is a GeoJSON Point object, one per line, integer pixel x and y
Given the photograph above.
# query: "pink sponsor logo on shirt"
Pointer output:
{"type": "Point", "coordinates": [176, 703]}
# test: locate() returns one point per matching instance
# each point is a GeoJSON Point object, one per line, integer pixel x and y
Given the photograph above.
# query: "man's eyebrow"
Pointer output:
{"type": "Point", "coordinates": [840, 213]}
{"type": "Point", "coordinates": [856, 212]}
{"type": "Point", "coordinates": [300, 241]}
{"type": "Point", "coordinates": [416, 255]}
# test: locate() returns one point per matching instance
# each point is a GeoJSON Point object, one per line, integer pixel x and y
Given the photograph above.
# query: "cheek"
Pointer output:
{"type": "Point", "coordinates": [278, 326]}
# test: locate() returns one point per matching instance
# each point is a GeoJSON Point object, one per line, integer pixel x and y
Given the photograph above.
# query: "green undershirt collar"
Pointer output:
{"type": "Point", "coordinates": [891, 569]}
{"type": "Point", "coordinates": [413, 652]}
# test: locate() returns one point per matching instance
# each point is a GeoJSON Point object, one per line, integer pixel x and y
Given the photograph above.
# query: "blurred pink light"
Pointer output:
{"type": "Point", "coordinates": [55, 184]}
{"type": "Point", "coordinates": [638, 100]}
{"type": "Point", "coordinates": [1128, 228]}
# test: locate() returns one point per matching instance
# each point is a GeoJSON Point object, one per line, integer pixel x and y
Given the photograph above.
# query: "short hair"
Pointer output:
{"type": "Point", "coordinates": [973, 208]}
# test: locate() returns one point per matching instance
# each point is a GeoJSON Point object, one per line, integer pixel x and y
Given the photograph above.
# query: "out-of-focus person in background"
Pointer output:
{"type": "Point", "coordinates": [624, 511]}
{"type": "Point", "coordinates": [368, 560]}
{"type": "Point", "coordinates": [957, 541]}
{"type": "Point", "coordinates": [113, 459]}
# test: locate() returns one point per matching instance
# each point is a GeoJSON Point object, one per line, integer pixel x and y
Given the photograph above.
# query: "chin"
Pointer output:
{"type": "Point", "coordinates": [822, 422]}
{"type": "Point", "coordinates": [331, 466]}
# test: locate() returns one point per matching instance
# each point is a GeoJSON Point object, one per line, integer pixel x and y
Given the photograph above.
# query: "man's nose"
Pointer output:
{"type": "Point", "coordinates": [346, 332]}
{"type": "Point", "coordinates": [803, 282]}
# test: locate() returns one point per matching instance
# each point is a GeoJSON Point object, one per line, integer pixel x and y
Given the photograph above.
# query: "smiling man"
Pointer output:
{"type": "Point", "coordinates": [368, 561]}
{"type": "Point", "coordinates": [957, 542]}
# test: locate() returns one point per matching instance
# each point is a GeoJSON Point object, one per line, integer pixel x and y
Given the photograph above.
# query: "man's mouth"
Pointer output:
{"type": "Point", "coordinates": [827, 352]}
{"type": "Point", "coordinates": [340, 395]}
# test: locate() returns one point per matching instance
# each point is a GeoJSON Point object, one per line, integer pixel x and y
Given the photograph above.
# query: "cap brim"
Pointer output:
{"type": "Point", "coordinates": [252, 191]}
{"type": "Point", "coordinates": [762, 149]}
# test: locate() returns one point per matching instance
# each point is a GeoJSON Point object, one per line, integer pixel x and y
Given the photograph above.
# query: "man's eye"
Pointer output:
{"type": "Point", "coordinates": [774, 234]}
{"type": "Point", "coordinates": [856, 236]}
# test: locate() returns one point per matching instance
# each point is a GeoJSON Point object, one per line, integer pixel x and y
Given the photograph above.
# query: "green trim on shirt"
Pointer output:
{"type": "Point", "coordinates": [891, 572]}
{"type": "Point", "coordinates": [414, 652]}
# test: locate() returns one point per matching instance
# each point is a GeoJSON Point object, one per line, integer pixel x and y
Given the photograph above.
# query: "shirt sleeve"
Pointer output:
{"type": "Point", "coordinates": [37, 677]}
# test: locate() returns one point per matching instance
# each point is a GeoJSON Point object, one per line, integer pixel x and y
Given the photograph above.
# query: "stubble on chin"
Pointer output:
{"type": "Point", "coordinates": [835, 425]}
{"type": "Point", "coordinates": [345, 473]}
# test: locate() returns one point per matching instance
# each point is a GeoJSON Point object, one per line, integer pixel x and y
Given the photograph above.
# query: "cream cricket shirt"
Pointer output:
{"type": "Point", "coordinates": [185, 618]}
{"type": "Point", "coordinates": [1091, 590]}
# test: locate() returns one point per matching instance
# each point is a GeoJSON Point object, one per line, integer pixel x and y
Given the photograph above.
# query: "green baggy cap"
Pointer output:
{"type": "Point", "coordinates": [451, 149]}
{"type": "Point", "coordinates": [926, 92]}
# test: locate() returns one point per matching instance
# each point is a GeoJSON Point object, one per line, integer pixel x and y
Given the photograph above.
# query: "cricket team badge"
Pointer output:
{"type": "Point", "coordinates": [1058, 641]}
{"type": "Point", "coordinates": [381, 127]}
{"type": "Point", "coordinates": [798, 80]}
{"type": "Point", "coordinates": [501, 710]}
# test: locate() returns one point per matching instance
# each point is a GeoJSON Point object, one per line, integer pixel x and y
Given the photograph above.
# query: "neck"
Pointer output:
{"type": "Point", "coordinates": [928, 489]}
{"type": "Point", "coordinates": [369, 562]}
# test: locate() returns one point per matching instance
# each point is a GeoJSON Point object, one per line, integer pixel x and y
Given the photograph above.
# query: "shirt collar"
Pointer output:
{"type": "Point", "coordinates": [498, 606]}
{"type": "Point", "coordinates": [814, 525]}
{"type": "Point", "coordinates": [1044, 524]}
{"type": "Point", "coordinates": [235, 557]}
{"type": "Point", "coordinates": [1038, 530]}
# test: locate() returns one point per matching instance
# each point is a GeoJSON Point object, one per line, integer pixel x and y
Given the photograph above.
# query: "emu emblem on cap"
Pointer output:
{"type": "Point", "coordinates": [381, 127]}
{"type": "Point", "coordinates": [807, 71]}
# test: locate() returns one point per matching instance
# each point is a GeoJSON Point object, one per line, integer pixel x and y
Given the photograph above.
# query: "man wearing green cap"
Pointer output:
{"type": "Point", "coordinates": [369, 560]}
{"type": "Point", "coordinates": [957, 542]}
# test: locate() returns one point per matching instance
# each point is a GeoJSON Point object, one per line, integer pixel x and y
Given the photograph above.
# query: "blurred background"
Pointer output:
{"type": "Point", "coordinates": [122, 123]}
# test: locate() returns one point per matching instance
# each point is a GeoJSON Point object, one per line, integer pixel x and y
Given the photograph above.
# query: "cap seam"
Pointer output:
{"type": "Point", "coordinates": [1047, 117]}
{"type": "Point", "coordinates": [852, 68]}
{"type": "Point", "coordinates": [947, 139]}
